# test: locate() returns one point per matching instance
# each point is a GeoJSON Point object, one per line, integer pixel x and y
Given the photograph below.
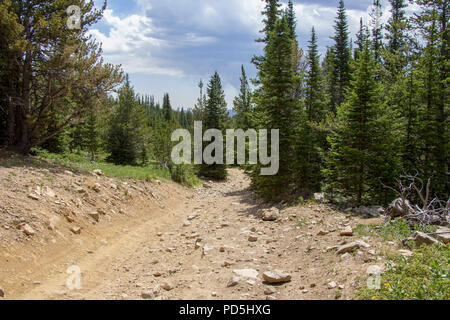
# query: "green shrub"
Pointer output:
{"type": "Point", "coordinates": [425, 276]}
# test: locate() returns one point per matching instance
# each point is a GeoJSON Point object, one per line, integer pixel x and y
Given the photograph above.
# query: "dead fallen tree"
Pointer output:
{"type": "Point", "coordinates": [430, 212]}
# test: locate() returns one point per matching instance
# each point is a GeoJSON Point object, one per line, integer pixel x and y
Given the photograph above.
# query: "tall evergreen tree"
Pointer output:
{"type": "Point", "coordinates": [361, 143]}
{"type": "Point", "coordinates": [276, 109]}
{"type": "Point", "coordinates": [292, 22]}
{"type": "Point", "coordinates": [342, 52]}
{"type": "Point", "coordinates": [243, 103]}
{"type": "Point", "coordinates": [125, 128]}
{"type": "Point", "coordinates": [167, 108]}
{"type": "Point", "coordinates": [433, 72]}
{"type": "Point", "coordinates": [331, 80]}
{"type": "Point", "coordinates": [377, 30]}
{"type": "Point", "coordinates": [315, 95]}
{"type": "Point", "coordinates": [215, 116]}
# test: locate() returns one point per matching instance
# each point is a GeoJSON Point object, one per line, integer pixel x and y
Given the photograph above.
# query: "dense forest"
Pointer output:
{"type": "Point", "coordinates": [351, 122]}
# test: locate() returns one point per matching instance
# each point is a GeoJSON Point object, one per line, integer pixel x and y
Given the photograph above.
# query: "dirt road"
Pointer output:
{"type": "Point", "coordinates": [191, 246]}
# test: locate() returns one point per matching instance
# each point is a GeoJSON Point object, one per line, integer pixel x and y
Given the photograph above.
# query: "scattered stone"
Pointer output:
{"type": "Point", "coordinates": [347, 232]}
{"type": "Point", "coordinates": [271, 298]}
{"type": "Point", "coordinates": [234, 281]}
{"type": "Point", "coordinates": [69, 173]}
{"type": "Point", "coordinates": [48, 192]}
{"type": "Point", "coordinates": [147, 295]}
{"type": "Point", "coordinates": [207, 185]}
{"type": "Point", "coordinates": [2, 293]}
{"type": "Point", "coordinates": [167, 286]}
{"type": "Point", "coordinates": [214, 294]}
{"type": "Point", "coordinates": [28, 230]}
{"type": "Point", "coordinates": [94, 215]}
{"type": "Point", "coordinates": [247, 273]}
{"type": "Point", "coordinates": [322, 233]}
{"type": "Point", "coordinates": [276, 276]}
{"type": "Point", "coordinates": [352, 247]}
{"type": "Point", "coordinates": [75, 230]}
{"type": "Point", "coordinates": [269, 291]}
{"type": "Point", "coordinates": [186, 224]}
{"type": "Point", "coordinates": [252, 238]}
{"type": "Point", "coordinates": [332, 285]}
{"type": "Point", "coordinates": [406, 253]}
{"type": "Point", "coordinates": [98, 172]}
{"type": "Point", "coordinates": [32, 196]}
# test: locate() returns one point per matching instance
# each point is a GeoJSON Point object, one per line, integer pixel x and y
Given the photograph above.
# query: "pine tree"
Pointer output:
{"type": "Point", "coordinates": [276, 109]}
{"type": "Point", "coordinates": [377, 30]}
{"type": "Point", "coordinates": [92, 135]}
{"type": "Point", "coordinates": [433, 72]}
{"type": "Point", "coordinates": [342, 53]}
{"type": "Point", "coordinates": [199, 108]}
{"type": "Point", "coordinates": [125, 128]}
{"type": "Point", "coordinates": [290, 15]}
{"type": "Point", "coordinates": [315, 95]}
{"type": "Point", "coordinates": [215, 116]}
{"type": "Point", "coordinates": [271, 14]}
{"type": "Point", "coordinates": [331, 80]}
{"type": "Point", "coordinates": [361, 143]}
{"type": "Point", "coordinates": [167, 108]}
{"type": "Point", "coordinates": [243, 104]}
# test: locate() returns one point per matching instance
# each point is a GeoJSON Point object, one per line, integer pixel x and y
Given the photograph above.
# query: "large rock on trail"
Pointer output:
{"type": "Point", "coordinates": [271, 214]}
{"type": "Point", "coordinates": [421, 238]}
{"type": "Point", "coordinates": [276, 277]}
{"type": "Point", "coordinates": [350, 247]}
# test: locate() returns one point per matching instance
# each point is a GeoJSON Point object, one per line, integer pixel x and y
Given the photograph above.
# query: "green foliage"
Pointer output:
{"type": "Point", "coordinates": [51, 76]}
{"type": "Point", "coordinates": [397, 230]}
{"type": "Point", "coordinates": [184, 174]}
{"type": "Point", "coordinates": [342, 54]}
{"type": "Point", "coordinates": [243, 105]}
{"type": "Point", "coordinates": [425, 276]}
{"type": "Point", "coordinates": [79, 162]}
{"type": "Point", "coordinates": [361, 142]}
{"type": "Point", "coordinates": [125, 134]}
{"type": "Point", "coordinates": [276, 108]}
{"type": "Point", "coordinates": [214, 116]}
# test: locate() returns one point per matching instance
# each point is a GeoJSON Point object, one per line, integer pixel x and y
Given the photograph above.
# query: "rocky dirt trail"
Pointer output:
{"type": "Point", "coordinates": [207, 243]}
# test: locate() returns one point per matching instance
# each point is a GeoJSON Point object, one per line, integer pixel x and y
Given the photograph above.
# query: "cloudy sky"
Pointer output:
{"type": "Point", "coordinates": [169, 45]}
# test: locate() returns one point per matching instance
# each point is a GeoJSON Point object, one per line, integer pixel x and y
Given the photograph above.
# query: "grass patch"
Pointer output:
{"type": "Point", "coordinates": [79, 162]}
{"type": "Point", "coordinates": [394, 231]}
{"type": "Point", "coordinates": [425, 276]}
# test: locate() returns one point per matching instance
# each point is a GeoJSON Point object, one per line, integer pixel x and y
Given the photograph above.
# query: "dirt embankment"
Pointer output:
{"type": "Point", "coordinates": [134, 240]}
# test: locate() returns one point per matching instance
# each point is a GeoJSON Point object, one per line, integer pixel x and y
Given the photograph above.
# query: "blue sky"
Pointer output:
{"type": "Point", "coordinates": [169, 45]}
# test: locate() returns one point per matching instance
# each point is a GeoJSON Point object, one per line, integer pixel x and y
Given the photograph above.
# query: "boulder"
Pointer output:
{"type": "Point", "coordinates": [269, 214]}
{"type": "Point", "coordinates": [421, 238]}
{"type": "Point", "coordinates": [443, 234]}
{"type": "Point", "coordinates": [369, 212]}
